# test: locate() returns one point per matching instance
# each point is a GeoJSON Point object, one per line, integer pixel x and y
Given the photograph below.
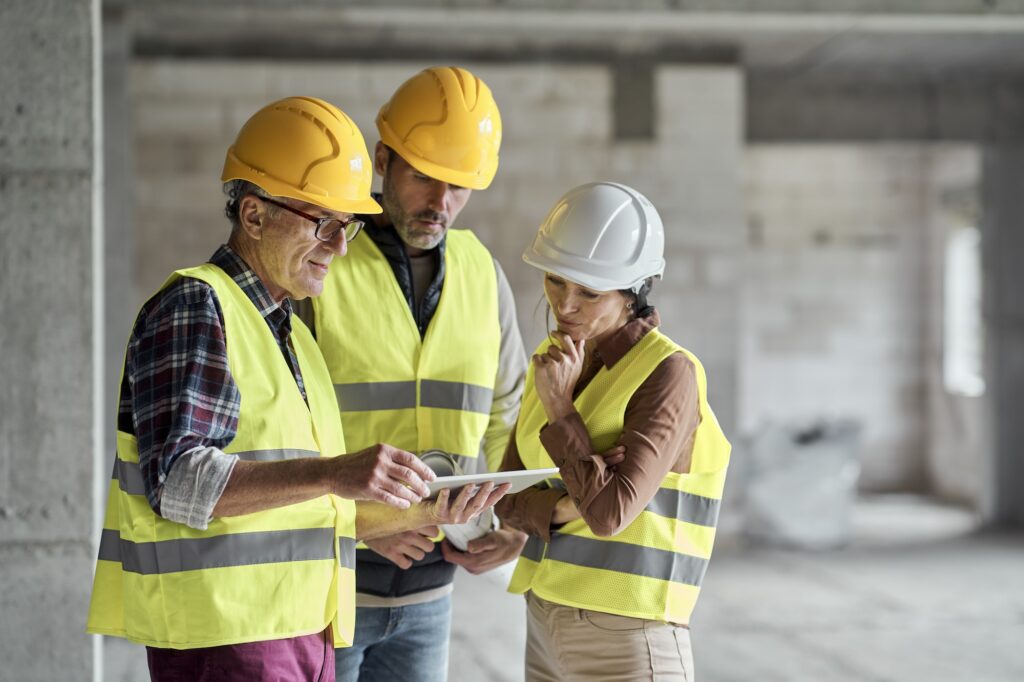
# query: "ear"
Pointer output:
{"type": "Point", "coordinates": [380, 158]}
{"type": "Point", "coordinates": [251, 216]}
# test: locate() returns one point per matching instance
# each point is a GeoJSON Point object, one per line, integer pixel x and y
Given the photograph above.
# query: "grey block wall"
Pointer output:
{"type": "Point", "coordinates": [48, 190]}
{"type": "Point", "coordinates": [558, 133]}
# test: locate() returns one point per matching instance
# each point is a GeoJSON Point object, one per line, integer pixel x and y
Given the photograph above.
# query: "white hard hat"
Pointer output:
{"type": "Point", "coordinates": [603, 236]}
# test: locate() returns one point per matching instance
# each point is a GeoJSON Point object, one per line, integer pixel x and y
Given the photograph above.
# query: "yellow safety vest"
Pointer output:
{"type": "Point", "coordinates": [394, 387]}
{"type": "Point", "coordinates": [274, 574]}
{"type": "Point", "coordinates": [653, 568]}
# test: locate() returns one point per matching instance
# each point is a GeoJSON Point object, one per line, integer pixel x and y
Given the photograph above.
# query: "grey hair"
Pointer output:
{"type": "Point", "coordinates": [235, 190]}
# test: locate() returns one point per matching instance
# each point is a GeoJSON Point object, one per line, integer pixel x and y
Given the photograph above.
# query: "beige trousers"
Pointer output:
{"type": "Point", "coordinates": [566, 644]}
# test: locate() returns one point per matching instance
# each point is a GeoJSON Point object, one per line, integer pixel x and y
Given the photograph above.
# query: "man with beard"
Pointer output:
{"type": "Point", "coordinates": [419, 333]}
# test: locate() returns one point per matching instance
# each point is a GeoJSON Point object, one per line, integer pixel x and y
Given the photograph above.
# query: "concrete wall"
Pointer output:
{"type": "Point", "coordinates": [835, 316]}
{"type": "Point", "coordinates": [558, 133]}
{"type": "Point", "coordinates": [49, 299]}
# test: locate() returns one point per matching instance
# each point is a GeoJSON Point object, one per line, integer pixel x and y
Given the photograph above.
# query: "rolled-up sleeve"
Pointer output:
{"type": "Point", "coordinates": [194, 485]}
{"type": "Point", "coordinates": [184, 403]}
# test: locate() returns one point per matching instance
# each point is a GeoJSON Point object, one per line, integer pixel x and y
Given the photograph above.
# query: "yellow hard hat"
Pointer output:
{"type": "Point", "coordinates": [306, 149]}
{"type": "Point", "coordinates": [445, 123]}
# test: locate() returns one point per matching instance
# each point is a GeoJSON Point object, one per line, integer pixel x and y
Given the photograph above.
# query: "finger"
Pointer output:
{"type": "Point", "coordinates": [484, 544]}
{"type": "Point", "coordinates": [398, 489]}
{"type": "Point", "coordinates": [569, 346]}
{"type": "Point", "coordinates": [428, 531]}
{"type": "Point", "coordinates": [496, 495]}
{"type": "Point", "coordinates": [407, 461]}
{"type": "Point", "coordinates": [387, 498]}
{"type": "Point", "coordinates": [465, 496]}
{"type": "Point", "coordinates": [401, 561]}
{"type": "Point", "coordinates": [554, 353]}
{"type": "Point", "coordinates": [421, 543]}
{"type": "Point", "coordinates": [409, 477]}
{"type": "Point", "coordinates": [479, 501]}
{"type": "Point", "coordinates": [612, 460]}
{"type": "Point", "coordinates": [451, 554]}
{"type": "Point", "coordinates": [615, 450]}
{"type": "Point", "coordinates": [442, 503]}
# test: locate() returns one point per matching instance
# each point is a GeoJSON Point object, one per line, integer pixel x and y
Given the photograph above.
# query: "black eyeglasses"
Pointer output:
{"type": "Point", "coordinates": [326, 228]}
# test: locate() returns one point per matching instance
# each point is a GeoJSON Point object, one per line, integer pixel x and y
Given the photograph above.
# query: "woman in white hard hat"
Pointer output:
{"type": "Point", "coordinates": [619, 542]}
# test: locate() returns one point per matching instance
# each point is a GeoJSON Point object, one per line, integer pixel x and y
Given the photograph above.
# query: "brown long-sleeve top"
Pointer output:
{"type": "Point", "coordinates": [660, 421]}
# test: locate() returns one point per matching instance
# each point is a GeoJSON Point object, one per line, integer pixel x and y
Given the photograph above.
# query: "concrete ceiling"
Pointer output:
{"type": "Point", "coordinates": [948, 38]}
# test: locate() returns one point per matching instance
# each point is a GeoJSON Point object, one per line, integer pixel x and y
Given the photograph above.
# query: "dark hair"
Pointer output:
{"type": "Point", "coordinates": [640, 305]}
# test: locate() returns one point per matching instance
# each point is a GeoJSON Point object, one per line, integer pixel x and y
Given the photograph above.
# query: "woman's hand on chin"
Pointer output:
{"type": "Point", "coordinates": [556, 373]}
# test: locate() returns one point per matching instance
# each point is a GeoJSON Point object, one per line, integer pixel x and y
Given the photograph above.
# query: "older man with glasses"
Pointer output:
{"type": "Point", "coordinates": [228, 544]}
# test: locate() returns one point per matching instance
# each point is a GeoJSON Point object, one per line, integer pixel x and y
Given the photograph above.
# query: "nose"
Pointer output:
{"type": "Point", "coordinates": [338, 244]}
{"type": "Point", "coordinates": [564, 303]}
{"type": "Point", "coordinates": [437, 199]}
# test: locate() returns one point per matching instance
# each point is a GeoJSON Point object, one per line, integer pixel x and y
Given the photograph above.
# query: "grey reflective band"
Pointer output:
{"type": "Point", "coordinates": [347, 552]}
{"type": "Point", "coordinates": [377, 395]}
{"type": "Point", "coordinates": [533, 549]}
{"type": "Point", "coordinates": [129, 475]}
{"type": "Point", "coordinates": [401, 395]}
{"type": "Point", "coordinates": [626, 558]}
{"type": "Point", "coordinates": [454, 395]}
{"type": "Point", "coordinates": [110, 545]}
{"type": "Point", "coordinates": [676, 504]}
{"type": "Point", "coordinates": [222, 551]}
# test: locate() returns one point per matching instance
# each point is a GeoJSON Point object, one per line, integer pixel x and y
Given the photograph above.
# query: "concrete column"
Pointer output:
{"type": "Point", "coordinates": [1003, 252]}
{"type": "Point", "coordinates": [50, 300]}
{"type": "Point", "coordinates": [697, 164]}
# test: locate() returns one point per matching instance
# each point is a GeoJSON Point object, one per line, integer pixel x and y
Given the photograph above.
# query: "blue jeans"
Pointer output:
{"type": "Point", "coordinates": [408, 643]}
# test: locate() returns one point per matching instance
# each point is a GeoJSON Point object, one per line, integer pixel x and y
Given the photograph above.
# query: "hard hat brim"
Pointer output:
{"type": "Point", "coordinates": [236, 170]}
{"type": "Point", "coordinates": [584, 279]}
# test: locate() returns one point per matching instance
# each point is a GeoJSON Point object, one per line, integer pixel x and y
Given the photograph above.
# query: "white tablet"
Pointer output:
{"type": "Point", "coordinates": [518, 479]}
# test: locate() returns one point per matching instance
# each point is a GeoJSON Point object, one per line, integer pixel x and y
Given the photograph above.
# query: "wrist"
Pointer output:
{"type": "Point", "coordinates": [424, 514]}
{"type": "Point", "coordinates": [559, 408]}
{"type": "Point", "coordinates": [327, 476]}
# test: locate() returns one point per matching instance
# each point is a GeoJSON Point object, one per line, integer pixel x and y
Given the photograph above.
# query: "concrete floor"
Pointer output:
{"type": "Point", "coordinates": [915, 596]}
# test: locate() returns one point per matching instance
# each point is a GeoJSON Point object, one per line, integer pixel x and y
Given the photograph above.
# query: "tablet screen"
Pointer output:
{"type": "Point", "coordinates": [519, 479]}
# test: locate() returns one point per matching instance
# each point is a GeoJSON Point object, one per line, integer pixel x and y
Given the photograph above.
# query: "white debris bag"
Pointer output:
{"type": "Point", "coordinates": [802, 483]}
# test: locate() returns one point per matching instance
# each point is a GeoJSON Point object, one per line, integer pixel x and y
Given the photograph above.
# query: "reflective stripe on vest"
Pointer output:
{"type": "Point", "coordinates": [269, 575]}
{"type": "Point", "coordinates": [653, 568]}
{"type": "Point", "coordinates": [400, 395]}
{"type": "Point", "coordinates": [676, 504]}
{"type": "Point", "coordinates": [234, 549]}
{"type": "Point", "coordinates": [391, 385]}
